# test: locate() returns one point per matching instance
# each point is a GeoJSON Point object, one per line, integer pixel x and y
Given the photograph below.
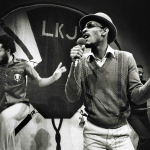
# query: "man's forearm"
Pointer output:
{"type": "Point", "coordinates": [46, 81]}
{"type": "Point", "coordinates": [73, 85]}
{"type": "Point", "coordinates": [141, 94]}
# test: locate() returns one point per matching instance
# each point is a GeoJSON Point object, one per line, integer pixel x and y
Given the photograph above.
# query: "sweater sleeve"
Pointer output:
{"type": "Point", "coordinates": [73, 87]}
{"type": "Point", "coordinates": [139, 93]}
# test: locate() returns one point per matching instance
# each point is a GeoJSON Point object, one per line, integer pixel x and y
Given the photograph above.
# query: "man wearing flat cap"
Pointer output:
{"type": "Point", "coordinates": [106, 78]}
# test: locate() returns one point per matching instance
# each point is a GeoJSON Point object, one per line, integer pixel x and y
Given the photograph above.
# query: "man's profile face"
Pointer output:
{"type": "Point", "coordinates": [141, 72]}
{"type": "Point", "coordinates": [3, 55]}
{"type": "Point", "coordinates": [92, 33]}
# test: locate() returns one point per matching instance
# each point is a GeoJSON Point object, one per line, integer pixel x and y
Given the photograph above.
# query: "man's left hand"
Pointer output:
{"type": "Point", "coordinates": [58, 72]}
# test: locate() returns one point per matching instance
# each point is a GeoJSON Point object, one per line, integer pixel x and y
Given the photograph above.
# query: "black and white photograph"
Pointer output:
{"type": "Point", "coordinates": [74, 75]}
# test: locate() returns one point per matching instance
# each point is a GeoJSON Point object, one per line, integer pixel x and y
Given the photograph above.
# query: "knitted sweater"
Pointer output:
{"type": "Point", "coordinates": [107, 88]}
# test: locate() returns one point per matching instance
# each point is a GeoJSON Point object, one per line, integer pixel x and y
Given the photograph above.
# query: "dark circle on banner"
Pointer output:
{"type": "Point", "coordinates": [55, 30]}
{"type": "Point", "coordinates": [59, 33]}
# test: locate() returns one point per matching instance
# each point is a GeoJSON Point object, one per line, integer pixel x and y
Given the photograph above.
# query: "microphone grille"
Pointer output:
{"type": "Point", "coordinates": [81, 41]}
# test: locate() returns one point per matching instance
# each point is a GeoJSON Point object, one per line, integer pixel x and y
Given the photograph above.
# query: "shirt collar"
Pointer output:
{"type": "Point", "coordinates": [14, 60]}
{"type": "Point", "coordinates": [108, 51]}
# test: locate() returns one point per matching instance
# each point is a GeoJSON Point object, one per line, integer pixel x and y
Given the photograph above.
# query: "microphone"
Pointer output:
{"type": "Point", "coordinates": [80, 42]}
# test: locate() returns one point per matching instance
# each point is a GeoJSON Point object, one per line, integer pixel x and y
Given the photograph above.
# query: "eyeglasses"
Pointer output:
{"type": "Point", "coordinates": [92, 24]}
{"type": "Point", "coordinates": [140, 72]}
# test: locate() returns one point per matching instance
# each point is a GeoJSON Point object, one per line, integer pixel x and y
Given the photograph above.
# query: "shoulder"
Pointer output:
{"type": "Point", "coordinates": [19, 60]}
{"type": "Point", "coordinates": [23, 62]}
{"type": "Point", "coordinates": [124, 53]}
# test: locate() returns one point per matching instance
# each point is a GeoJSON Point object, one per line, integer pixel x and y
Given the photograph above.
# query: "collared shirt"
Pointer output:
{"type": "Point", "coordinates": [101, 62]}
{"type": "Point", "coordinates": [13, 80]}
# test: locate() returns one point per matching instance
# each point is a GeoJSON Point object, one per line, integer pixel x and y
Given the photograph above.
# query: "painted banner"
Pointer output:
{"type": "Point", "coordinates": [48, 32]}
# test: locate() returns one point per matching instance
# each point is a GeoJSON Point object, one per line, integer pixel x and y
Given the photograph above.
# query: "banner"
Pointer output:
{"type": "Point", "coordinates": [49, 32]}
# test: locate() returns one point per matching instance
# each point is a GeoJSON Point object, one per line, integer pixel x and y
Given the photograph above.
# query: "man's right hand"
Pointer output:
{"type": "Point", "coordinates": [76, 52]}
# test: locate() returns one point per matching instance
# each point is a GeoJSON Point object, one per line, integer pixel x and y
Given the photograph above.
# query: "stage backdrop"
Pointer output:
{"type": "Point", "coordinates": [47, 33]}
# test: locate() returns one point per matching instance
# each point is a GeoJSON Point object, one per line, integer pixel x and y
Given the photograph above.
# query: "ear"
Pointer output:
{"type": "Point", "coordinates": [106, 30]}
{"type": "Point", "coordinates": [8, 50]}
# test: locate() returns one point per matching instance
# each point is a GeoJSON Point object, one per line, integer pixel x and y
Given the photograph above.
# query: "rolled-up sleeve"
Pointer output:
{"type": "Point", "coordinates": [73, 88]}
{"type": "Point", "coordinates": [139, 93]}
{"type": "Point", "coordinates": [31, 72]}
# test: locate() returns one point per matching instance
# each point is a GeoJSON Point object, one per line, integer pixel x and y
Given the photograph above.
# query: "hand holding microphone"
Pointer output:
{"type": "Point", "coordinates": [77, 51]}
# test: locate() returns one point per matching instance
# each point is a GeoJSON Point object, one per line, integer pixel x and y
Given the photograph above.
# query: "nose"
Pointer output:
{"type": "Point", "coordinates": [84, 30]}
